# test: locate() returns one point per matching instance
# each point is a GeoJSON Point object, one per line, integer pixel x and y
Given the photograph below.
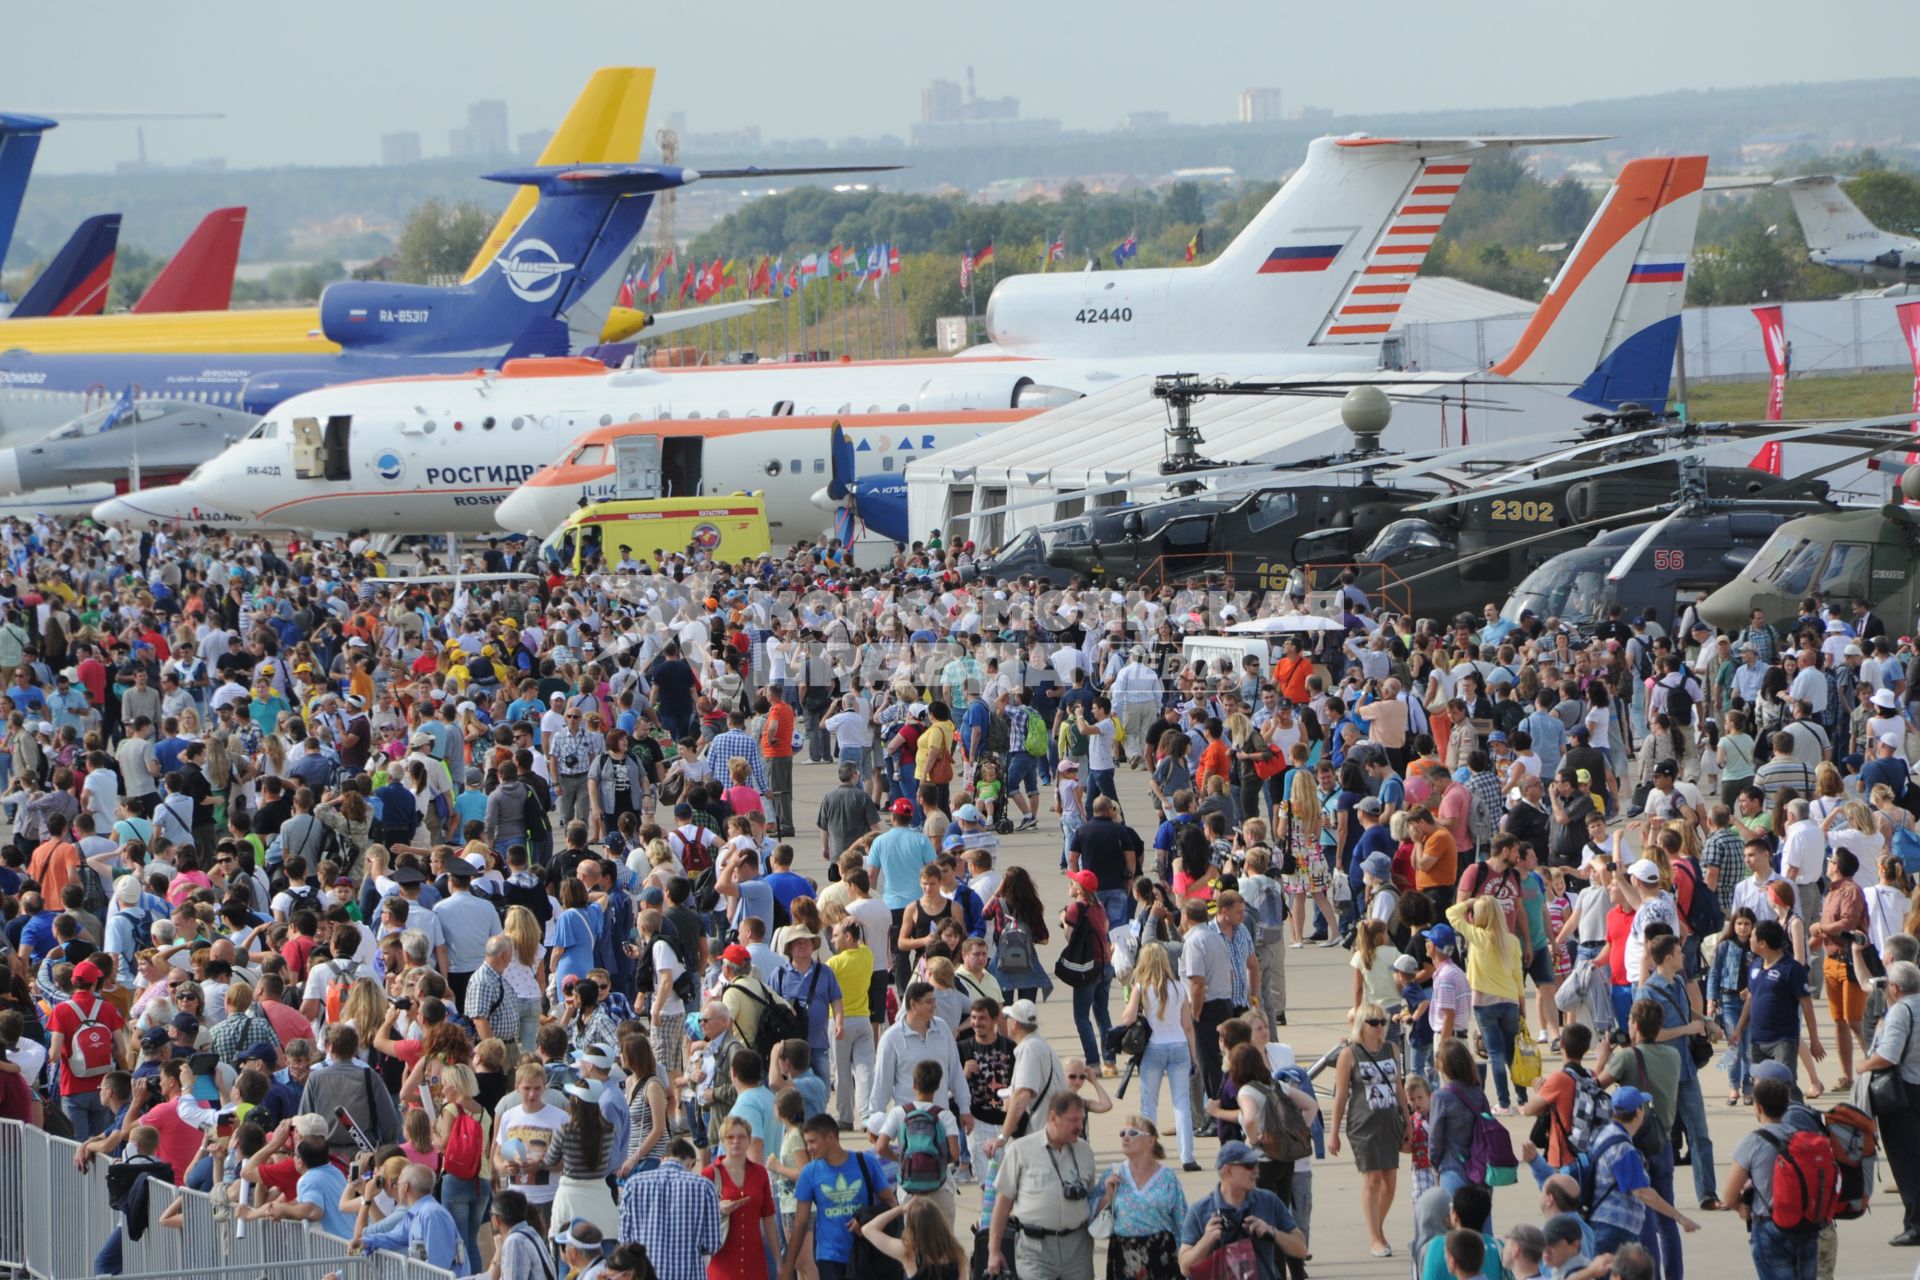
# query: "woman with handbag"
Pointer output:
{"type": "Point", "coordinates": [1495, 974]}
{"type": "Point", "coordinates": [1367, 1094]}
{"type": "Point", "coordinates": [1894, 1068]}
{"type": "Point", "coordinates": [1142, 1207]}
{"type": "Point", "coordinates": [1162, 1002]}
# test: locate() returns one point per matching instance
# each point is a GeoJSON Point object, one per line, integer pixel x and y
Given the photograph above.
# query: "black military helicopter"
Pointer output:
{"type": "Point", "coordinates": [1253, 518]}
{"type": "Point", "coordinates": [1417, 550]}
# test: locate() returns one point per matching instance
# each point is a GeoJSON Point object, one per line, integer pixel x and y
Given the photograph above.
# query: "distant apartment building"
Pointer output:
{"type": "Point", "coordinates": [1259, 106]}
{"type": "Point", "coordinates": [400, 148]}
{"type": "Point", "coordinates": [484, 134]}
{"type": "Point", "coordinates": [530, 145]}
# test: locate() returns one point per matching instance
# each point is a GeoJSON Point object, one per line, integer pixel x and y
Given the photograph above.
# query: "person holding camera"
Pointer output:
{"type": "Point", "coordinates": [1041, 1195]}
{"type": "Point", "coordinates": [1238, 1213]}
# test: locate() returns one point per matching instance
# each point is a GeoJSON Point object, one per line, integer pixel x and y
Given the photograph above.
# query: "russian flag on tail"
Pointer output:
{"type": "Point", "coordinates": [1657, 273]}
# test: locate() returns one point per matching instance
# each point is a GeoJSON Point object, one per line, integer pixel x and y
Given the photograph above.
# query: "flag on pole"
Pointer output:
{"type": "Point", "coordinates": [1909, 313]}
{"type": "Point", "coordinates": [983, 257]}
{"type": "Point", "coordinates": [762, 278]}
{"type": "Point", "coordinates": [966, 272]}
{"type": "Point", "coordinates": [893, 259]}
{"type": "Point", "coordinates": [1773, 337]}
{"type": "Point", "coordinates": [1128, 248]}
{"type": "Point", "coordinates": [686, 285]}
{"type": "Point", "coordinates": [876, 262]}
{"type": "Point", "coordinates": [809, 268]}
{"type": "Point", "coordinates": [1197, 245]}
{"type": "Point", "coordinates": [624, 297]}
{"type": "Point", "coordinates": [121, 408]}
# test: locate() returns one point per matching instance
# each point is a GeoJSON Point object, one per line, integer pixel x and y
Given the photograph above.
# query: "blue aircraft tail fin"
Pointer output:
{"type": "Point", "coordinates": [19, 142]}
{"type": "Point", "coordinates": [75, 283]}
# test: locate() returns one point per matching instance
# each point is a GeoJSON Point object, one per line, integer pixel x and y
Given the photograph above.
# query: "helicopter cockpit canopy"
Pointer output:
{"type": "Point", "coordinates": [1794, 564]}
{"type": "Point", "coordinates": [1405, 540]}
{"type": "Point", "coordinates": [1572, 586]}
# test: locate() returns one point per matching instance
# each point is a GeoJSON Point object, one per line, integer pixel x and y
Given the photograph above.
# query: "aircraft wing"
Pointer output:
{"type": "Point", "coordinates": [694, 317]}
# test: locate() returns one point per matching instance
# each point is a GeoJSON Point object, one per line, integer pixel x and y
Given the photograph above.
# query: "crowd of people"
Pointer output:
{"type": "Point", "coordinates": [476, 920]}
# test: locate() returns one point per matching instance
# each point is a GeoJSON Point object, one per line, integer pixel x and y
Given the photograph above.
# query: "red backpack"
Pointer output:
{"type": "Point", "coordinates": [461, 1156]}
{"type": "Point", "coordinates": [1806, 1184]}
{"type": "Point", "coordinates": [90, 1049]}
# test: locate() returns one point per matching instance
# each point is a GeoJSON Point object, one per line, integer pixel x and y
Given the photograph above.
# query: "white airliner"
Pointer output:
{"type": "Point", "coordinates": [1312, 284]}
{"type": "Point", "coordinates": [1838, 235]}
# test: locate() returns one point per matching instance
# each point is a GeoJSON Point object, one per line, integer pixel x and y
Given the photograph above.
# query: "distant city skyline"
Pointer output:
{"type": "Point", "coordinates": [365, 74]}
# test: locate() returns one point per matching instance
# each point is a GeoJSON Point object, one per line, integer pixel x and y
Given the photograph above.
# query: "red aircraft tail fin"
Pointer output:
{"type": "Point", "coordinates": [200, 276]}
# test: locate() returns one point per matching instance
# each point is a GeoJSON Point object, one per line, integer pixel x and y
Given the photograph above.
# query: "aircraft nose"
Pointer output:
{"type": "Point", "coordinates": [525, 510]}
{"type": "Point", "coordinates": [823, 500]}
{"type": "Point", "coordinates": [113, 511]}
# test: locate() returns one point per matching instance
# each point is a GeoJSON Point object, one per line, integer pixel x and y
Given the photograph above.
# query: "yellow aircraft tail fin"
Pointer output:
{"type": "Point", "coordinates": [607, 124]}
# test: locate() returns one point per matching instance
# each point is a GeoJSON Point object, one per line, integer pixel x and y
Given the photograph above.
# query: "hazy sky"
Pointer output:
{"type": "Point", "coordinates": [319, 84]}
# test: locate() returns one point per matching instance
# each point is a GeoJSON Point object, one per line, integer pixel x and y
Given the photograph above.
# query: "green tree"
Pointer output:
{"type": "Point", "coordinates": [134, 270]}
{"type": "Point", "coordinates": [440, 240]}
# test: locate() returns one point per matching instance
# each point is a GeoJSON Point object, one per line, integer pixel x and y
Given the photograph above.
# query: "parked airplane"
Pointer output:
{"type": "Point", "coordinates": [1838, 235]}
{"type": "Point", "coordinates": [606, 124]}
{"type": "Point", "coordinates": [443, 452]}
{"type": "Point", "coordinates": [19, 143]}
{"type": "Point", "coordinates": [1383, 194]}
{"type": "Point", "coordinates": [75, 280]}
{"type": "Point", "coordinates": [586, 219]}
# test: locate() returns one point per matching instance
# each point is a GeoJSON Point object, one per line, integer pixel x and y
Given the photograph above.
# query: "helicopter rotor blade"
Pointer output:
{"type": "Point", "coordinates": [1861, 456]}
{"type": "Point", "coordinates": [1627, 464]}
{"type": "Point", "coordinates": [1590, 446]}
{"type": "Point", "coordinates": [1624, 564]}
{"type": "Point", "coordinates": [1527, 542]}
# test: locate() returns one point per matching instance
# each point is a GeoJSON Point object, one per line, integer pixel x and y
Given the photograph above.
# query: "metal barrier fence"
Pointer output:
{"type": "Point", "coordinates": [54, 1219]}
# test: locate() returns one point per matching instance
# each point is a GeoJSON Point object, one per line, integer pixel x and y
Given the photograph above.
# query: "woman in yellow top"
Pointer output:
{"type": "Point", "coordinates": [937, 739]}
{"type": "Point", "coordinates": [1498, 982]}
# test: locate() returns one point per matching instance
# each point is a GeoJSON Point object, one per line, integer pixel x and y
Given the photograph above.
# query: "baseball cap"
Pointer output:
{"type": "Point", "coordinates": [1646, 871]}
{"type": "Point", "coordinates": [967, 813]}
{"type": "Point", "coordinates": [1667, 769]}
{"type": "Point", "coordinates": [1771, 1070]}
{"type": "Point", "coordinates": [1024, 1012]}
{"type": "Point", "coordinates": [1370, 805]}
{"type": "Point", "coordinates": [1441, 935]}
{"type": "Point", "coordinates": [153, 1037]}
{"type": "Point", "coordinates": [87, 971]}
{"type": "Point", "coordinates": [1561, 1228]}
{"type": "Point", "coordinates": [737, 954]}
{"type": "Point", "coordinates": [1067, 766]}
{"type": "Point", "coordinates": [1627, 1100]}
{"type": "Point", "coordinates": [1086, 880]}
{"type": "Point", "coordinates": [1232, 1153]}
{"type": "Point", "coordinates": [186, 1024]}
{"type": "Point", "coordinates": [1583, 776]}
{"type": "Point", "coordinates": [261, 1050]}
{"type": "Point", "coordinates": [1406, 964]}
{"type": "Point", "coordinates": [902, 808]}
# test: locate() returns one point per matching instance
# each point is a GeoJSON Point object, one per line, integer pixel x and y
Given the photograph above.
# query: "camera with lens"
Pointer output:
{"type": "Point", "coordinates": [402, 1003]}
{"type": "Point", "coordinates": [1074, 1190]}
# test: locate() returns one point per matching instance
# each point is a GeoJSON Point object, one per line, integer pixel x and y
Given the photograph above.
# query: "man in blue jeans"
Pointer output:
{"type": "Point", "coordinates": [1777, 1254]}
{"type": "Point", "coordinates": [1622, 1194]}
{"type": "Point", "coordinates": [1112, 852]}
{"type": "Point", "coordinates": [83, 1030]}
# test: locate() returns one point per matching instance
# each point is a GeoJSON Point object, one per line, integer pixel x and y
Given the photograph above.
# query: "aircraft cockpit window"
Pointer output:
{"type": "Point", "coordinates": [1846, 573]}
{"type": "Point", "coordinates": [592, 455]}
{"type": "Point", "coordinates": [1270, 509]}
{"type": "Point", "coordinates": [1795, 573]}
{"type": "Point", "coordinates": [1404, 539]}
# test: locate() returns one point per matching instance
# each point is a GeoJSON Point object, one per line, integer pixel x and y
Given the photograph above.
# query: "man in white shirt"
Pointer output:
{"type": "Point", "coordinates": [1803, 852]}
{"type": "Point", "coordinates": [1809, 686]}
{"type": "Point", "coordinates": [1136, 696]}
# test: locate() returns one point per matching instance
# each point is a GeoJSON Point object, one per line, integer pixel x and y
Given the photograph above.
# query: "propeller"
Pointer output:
{"type": "Point", "coordinates": [878, 502]}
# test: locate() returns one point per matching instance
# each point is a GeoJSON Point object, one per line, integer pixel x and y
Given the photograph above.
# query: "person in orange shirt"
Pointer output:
{"type": "Point", "coordinates": [1216, 761]}
{"type": "Point", "coordinates": [1291, 671]}
{"type": "Point", "coordinates": [776, 747]}
{"type": "Point", "coordinates": [1436, 858]}
{"type": "Point", "coordinates": [56, 860]}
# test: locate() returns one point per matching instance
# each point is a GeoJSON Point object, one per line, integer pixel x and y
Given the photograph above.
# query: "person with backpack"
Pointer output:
{"type": "Point", "coordinates": [1615, 1192]}
{"type": "Point", "coordinates": [811, 986]}
{"type": "Point", "coordinates": [1571, 1104]}
{"type": "Point", "coordinates": [1277, 1119]}
{"type": "Point", "coordinates": [83, 1042]}
{"type": "Point", "coordinates": [129, 929]}
{"type": "Point", "coordinates": [1782, 1181]}
{"type": "Point", "coordinates": [923, 1138]}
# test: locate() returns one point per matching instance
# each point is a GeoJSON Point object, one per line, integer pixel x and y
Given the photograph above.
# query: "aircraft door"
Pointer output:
{"type": "Point", "coordinates": [680, 474]}
{"type": "Point", "coordinates": [336, 459]}
{"type": "Point", "coordinates": [636, 468]}
{"type": "Point", "coordinates": [307, 463]}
